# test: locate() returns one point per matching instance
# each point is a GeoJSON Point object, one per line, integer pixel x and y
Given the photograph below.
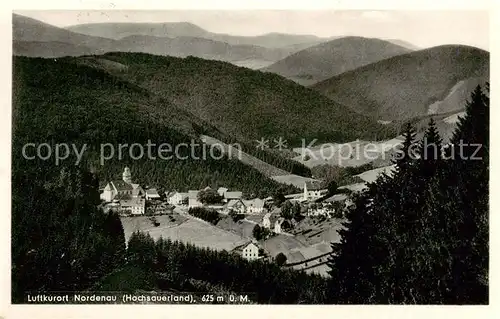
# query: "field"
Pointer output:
{"type": "Point", "coordinates": [309, 248]}
{"type": "Point", "coordinates": [241, 228]}
{"type": "Point", "coordinates": [261, 166]}
{"type": "Point", "coordinates": [454, 118]}
{"type": "Point", "coordinates": [183, 229]}
{"type": "Point", "coordinates": [295, 180]}
{"type": "Point", "coordinates": [371, 175]}
{"type": "Point", "coordinates": [354, 153]}
{"type": "Point", "coordinates": [310, 255]}
{"type": "Point", "coordinates": [252, 64]}
{"type": "Point", "coordinates": [311, 231]}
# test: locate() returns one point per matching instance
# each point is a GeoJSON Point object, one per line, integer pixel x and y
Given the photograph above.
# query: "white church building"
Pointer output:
{"type": "Point", "coordinates": [128, 196]}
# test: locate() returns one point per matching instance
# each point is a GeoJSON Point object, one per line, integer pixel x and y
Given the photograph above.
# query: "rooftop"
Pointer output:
{"type": "Point", "coordinates": [120, 185]}
{"type": "Point", "coordinates": [233, 195]}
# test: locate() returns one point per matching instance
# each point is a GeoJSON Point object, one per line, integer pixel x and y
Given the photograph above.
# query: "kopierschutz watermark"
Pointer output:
{"type": "Point", "coordinates": [365, 152]}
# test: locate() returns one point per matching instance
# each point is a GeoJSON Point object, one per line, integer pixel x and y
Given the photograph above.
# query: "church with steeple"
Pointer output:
{"type": "Point", "coordinates": [125, 195]}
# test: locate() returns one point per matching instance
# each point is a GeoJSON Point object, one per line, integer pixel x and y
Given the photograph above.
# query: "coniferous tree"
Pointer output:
{"type": "Point", "coordinates": [405, 156]}
{"type": "Point", "coordinates": [430, 150]}
{"type": "Point", "coordinates": [420, 235]}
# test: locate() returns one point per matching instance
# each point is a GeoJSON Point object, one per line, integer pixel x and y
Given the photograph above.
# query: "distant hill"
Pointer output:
{"type": "Point", "coordinates": [199, 47]}
{"type": "Point", "coordinates": [331, 58]}
{"type": "Point", "coordinates": [408, 85]}
{"type": "Point", "coordinates": [404, 44]}
{"type": "Point", "coordinates": [117, 31]}
{"type": "Point", "coordinates": [245, 104]}
{"type": "Point", "coordinates": [25, 29]}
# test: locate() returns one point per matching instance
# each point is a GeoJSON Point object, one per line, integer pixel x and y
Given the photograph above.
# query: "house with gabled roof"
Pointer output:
{"type": "Point", "coordinates": [254, 206]}
{"type": "Point", "coordinates": [313, 190]}
{"type": "Point", "coordinates": [152, 193]}
{"type": "Point", "coordinates": [232, 195]}
{"type": "Point", "coordinates": [193, 199]}
{"type": "Point", "coordinates": [249, 250]}
{"type": "Point", "coordinates": [236, 205]}
{"type": "Point", "coordinates": [221, 191]}
{"type": "Point", "coordinates": [269, 220]}
{"type": "Point", "coordinates": [279, 225]}
{"type": "Point", "coordinates": [176, 198]}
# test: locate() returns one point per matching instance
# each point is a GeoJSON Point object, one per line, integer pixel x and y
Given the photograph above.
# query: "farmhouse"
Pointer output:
{"type": "Point", "coordinates": [176, 198]}
{"type": "Point", "coordinates": [193, 199]}
{"type": "Point", "coordinates": [221, 191]}
{"type": "Point", "coordinates": [232, 195]}
{"type": "Point", "coordinates": [278, 226]}
{"type": "Point", "coordinates": [152, 193]}
{"type": "Point", "coordinates": [254, 206]}
{"type": "Point", "coordinates": [136, 206]}
{"type": "Point", "coordinates": [236, 205]}
{"type": "Point", "coordinates": [250, 251]}
{"type": "Point", "coordinates": [313, 191]}
{"type": "Point", "coordinates": [269, 220]}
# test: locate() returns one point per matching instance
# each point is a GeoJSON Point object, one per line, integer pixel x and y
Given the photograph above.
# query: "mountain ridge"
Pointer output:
{"type": "Point", "coordinates": [334, 57]}
{"type": "Point", "coordinates": [244, 103]}
{"type": "Point", "coordinates": [404, 86]}
{"type": "Point", "coordinates": [34, 38]}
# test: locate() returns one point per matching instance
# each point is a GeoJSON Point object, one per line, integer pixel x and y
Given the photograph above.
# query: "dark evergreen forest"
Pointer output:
{"type": "Point", "coordinates": [419, 236]}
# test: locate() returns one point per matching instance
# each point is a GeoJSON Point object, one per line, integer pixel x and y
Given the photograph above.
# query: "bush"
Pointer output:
{"type": "Point", "coordinates": [235, 216]}
{"type": "Point", "coordinates": [280, 259]}
{"type": "Point", "coordinates": [208, 215]}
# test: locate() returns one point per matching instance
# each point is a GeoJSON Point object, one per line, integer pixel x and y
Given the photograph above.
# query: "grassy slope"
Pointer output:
{"type": "Point", "coordinates": [404, 86]}
{"type": "Point", "coordinates": [334, 57]}
{"type": "Point", "coordinates": [243, 103]}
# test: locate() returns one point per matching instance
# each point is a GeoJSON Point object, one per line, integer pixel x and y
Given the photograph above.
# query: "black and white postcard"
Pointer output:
{"type": "Point", "coordinates": [250, 157]}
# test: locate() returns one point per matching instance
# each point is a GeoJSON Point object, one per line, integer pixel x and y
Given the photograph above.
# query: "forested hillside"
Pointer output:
{"type": "Point", "coordinates": [406, 86]}
{"type": "Point", "coordinates": [61, 241]}
{"type": "Point", "coordinates": [58, 101]}
{"type": "Point", "coordinates": [331, 58]}
{"type": "Point", "coordinates": [245, 104]}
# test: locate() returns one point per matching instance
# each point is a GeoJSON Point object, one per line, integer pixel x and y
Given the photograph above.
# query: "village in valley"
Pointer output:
{"type": "Point", "coordinates": [293, 230]}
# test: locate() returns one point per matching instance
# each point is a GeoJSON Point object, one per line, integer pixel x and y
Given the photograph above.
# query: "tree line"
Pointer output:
{"type": "Point", "coordinates": [178, 265]}
{"type": "Point", "coordinates": [420, 234]}
{"type": "Point", "coordinates": [66, 102]}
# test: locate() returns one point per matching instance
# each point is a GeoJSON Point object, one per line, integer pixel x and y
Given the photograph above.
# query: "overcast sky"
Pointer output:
{"type": "Point", "coordinates": [422, 28]}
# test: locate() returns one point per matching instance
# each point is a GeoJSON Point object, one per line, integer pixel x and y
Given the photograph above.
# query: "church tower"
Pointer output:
{"type": "Point", "coordinates": [127, 176]}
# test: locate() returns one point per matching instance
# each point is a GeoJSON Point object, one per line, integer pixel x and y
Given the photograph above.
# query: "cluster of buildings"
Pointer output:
{"type": "Point", "coordinates": [231, 201]}
{"type": "Point", "coordinates": [127, 197]}
{"type": "Point", "coordinates": [311, 191]}
{"type": "Point", "coordinates": [124, 195]}
{"type": "Point", "coordinates": [322, 209]}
